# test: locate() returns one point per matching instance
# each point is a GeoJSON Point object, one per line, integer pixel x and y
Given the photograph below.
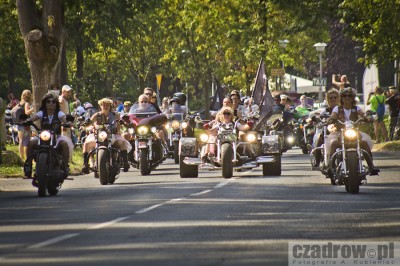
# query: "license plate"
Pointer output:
{"type": "Point", "coordinates": [142, 144]}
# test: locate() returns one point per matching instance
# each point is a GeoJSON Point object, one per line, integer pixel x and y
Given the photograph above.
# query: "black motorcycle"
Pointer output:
{"type": "Point", "coordinates": [50, 171]}
{"type": "Point", "coordinates": [178, 126]}
{"type": "Point", "coordinates": [304, 131]}
{"type": "Point", "coordinates": [283, 124]}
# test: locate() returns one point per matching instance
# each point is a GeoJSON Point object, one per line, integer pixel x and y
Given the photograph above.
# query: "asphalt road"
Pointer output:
{"type": "Point", "coordinates": [162, 219]}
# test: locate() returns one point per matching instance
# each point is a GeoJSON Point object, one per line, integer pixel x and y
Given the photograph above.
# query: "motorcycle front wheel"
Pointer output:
{"type": "Point", "coordinates": [103, 166]}
{"type": "Point", "coordinates": [226, 160]}
{"type": "Point", "coordinates": [41, 174]}
{"type": "Point", "coordinates": [144, 165]}
{"type": "Point", "coordinates": [353, 182]}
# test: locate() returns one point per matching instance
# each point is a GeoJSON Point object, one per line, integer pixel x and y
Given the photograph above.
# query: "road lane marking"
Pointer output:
{"type": "Point", "coordinates": [149, 208]}
{"type": "Point", "coordinates": [201, 192]}
{"type": "Point", "coordinates": [106, 224]}
{"type": "Point", "coordinates": [98, 226]}
{"type": "Point", "coordinates": [52, 241]}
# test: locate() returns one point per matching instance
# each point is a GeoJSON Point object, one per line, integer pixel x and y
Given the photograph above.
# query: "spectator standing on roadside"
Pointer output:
{"type": "Point", "coordinates": [24, 132]}
{"type": "Point", "coordinates": [393, 102]}
{"type": "Point", "coordinates": [12, 101]}
{"type": "Point", "coordinates": [376, 100]}
{"type": "Point", "coordinates": [64, 98]}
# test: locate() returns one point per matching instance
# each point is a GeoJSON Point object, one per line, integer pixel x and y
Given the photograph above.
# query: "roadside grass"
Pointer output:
{"type": "Point", "coordinates": [8, 169]}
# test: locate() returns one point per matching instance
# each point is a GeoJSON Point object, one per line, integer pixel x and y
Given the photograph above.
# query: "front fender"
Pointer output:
{"type": "Point", "coordinates": [188, 147]}
{"type": "Point", "coordinates": [270, 144]}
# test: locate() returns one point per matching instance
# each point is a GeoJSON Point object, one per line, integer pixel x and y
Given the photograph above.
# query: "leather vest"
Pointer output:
{"type": "Point", "coordinates": [45, 122]}
{"type": "Point", "coordinates": [342, 117]}
{"type": "Point", "coordinates": [101, 118]}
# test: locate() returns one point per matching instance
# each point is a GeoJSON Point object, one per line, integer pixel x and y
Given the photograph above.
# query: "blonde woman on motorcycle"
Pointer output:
{"type": "Point", "coordinates": [106, 116]}
{"type": "Point", "coordinates": [349, 111]}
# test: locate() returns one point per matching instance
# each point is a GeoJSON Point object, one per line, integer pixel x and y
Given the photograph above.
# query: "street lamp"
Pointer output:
{"type": "Point", "coordinates": [283, 44]}
{"type": "Point", "coordinates": [320, 47]}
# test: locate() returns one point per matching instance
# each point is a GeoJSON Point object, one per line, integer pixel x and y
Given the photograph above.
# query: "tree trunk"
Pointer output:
{"type": "Point", "coordinates": [44, 36]}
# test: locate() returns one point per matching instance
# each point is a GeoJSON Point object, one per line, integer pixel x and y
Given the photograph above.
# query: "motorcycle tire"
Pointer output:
{"type": "Point", "coordinates": [226, 160]}
{"type": "Point", "coordinates": [41, 174]}
{"type": "Point", "coordinates": [144, 165]}
{"type": "Point", "coordinates": [103, 166]}
{"type": "Point", "coordinates": [187, 171]}
{"type": "Point", "coordinates": [52, 189]}
{"type": "Point", "coordinates": [353, 179]}
{"type": "Point", "coordinates": [176, 152]}
{"type": "Point", "coordinates": [273, 169]}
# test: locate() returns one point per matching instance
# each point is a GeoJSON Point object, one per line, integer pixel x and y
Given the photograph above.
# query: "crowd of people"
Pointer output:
{"type": "Point", "coordinates": [341, 102]}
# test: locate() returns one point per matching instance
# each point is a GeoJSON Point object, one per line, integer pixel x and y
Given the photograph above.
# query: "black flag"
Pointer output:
{"type": "Point", "coordinates": [262, 96]}
{"type": "Point", "coordinates": [218, 98]}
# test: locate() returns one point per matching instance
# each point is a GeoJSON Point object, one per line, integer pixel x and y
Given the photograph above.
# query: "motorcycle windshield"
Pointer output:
{"type": "Point", "coordinates": [177, 116]}
{"type": "Point", "coordinates": [143, 110]}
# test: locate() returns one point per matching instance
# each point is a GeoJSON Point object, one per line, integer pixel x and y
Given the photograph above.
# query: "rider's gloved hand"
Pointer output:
{"type": "Point", "coordinates": [250, 124]}
{"type": "Point", "coordinates": [206, 126]}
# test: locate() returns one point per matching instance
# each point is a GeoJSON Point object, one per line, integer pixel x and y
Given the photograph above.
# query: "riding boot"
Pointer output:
{"type": "Point", "coordinates": [85, 168]}
{"type": "Point", "coordinates": [124, 155]}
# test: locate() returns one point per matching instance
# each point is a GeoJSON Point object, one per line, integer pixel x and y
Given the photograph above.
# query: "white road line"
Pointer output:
{"type": "Point", "coordinates": [105, 224]}
{"type": "Point", "coordinates": [98, 226]}
{"type": "Point", "coordinates": [149, 208]}
{"type": "Point", "coordinates": [52, 241]}
{"type": "Point", "coordinates": [201, 192]}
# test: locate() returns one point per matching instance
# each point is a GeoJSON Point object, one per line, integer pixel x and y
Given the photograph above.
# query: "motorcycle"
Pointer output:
{"type": "Point", "coordinates": [322, 128]}
{"type": "Point", "coordinates": [177, 128]}
{"type": "Point", "coordinates": [346, 163]}
{"type": "Point", "coordinates": [148, 148]}
{"type": "Point", "coordinates": [265, 151]}
{"type": "Point", "coordinates": [50, 167]}
{"type": "Point", "coordinates": [304, 133]}
{"type": "Point", "coordinates": [108, 161]}
{"type": "Point", "coordinates": [11, 129]}
{"type": "Point", "coordinates": [283, 124]}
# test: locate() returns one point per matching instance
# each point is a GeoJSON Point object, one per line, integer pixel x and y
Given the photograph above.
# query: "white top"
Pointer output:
{"type": "Point", "coordinates": [40, 115]}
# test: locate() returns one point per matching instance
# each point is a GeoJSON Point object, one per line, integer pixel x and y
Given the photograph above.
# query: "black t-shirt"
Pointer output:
{"type": "Point", "coordinates": [393, 101]}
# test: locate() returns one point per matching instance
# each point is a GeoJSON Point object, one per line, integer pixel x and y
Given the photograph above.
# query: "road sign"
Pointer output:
{"type": "Point", "coordinates": [319, 82]}
{"type": "Point", "coordinates": [277, 72]}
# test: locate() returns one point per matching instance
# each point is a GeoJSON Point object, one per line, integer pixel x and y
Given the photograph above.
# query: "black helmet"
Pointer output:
{"type": "Point", "coordinates": [348, 90]}
{"type": "Point", "coordinates": [181, 97]}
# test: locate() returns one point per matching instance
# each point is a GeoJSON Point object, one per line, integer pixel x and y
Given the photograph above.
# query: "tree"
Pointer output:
{"type": "Point", "coordinates": [42, 29]}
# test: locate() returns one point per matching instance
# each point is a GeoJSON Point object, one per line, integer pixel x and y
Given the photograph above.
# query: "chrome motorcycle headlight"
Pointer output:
{"type": "Point", "coordinates": [167, 126]}
{"type": "Point", "coordinates": [204, 138]}
{"type": "Point", "coordinates": [153, 129]}
{"type": "Point", "coordinates": [290, 139]}
{"type": "Point", "coordinates": [45, 135]}
{"type": "Point", "coordinates": [184, 125]}
{"type": "Point", "coordinates": [251, 137]}
{"type": "Point", "coordinates": [131, 131]}
{"type": "Point", "coordinates": [175, 124]}
{"type": "Point", "coordinates": [102, 136]}
{"type": "Point", "coordinates": [350, 133]}
{"type": "Point", "coordinates": [142, 130]}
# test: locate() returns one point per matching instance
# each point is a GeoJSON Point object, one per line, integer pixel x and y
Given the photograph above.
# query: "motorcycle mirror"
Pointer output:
{"type": "Point", "coordinates": [197, 119]}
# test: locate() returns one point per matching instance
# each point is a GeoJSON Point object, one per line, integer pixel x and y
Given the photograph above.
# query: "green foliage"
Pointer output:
{"type": "Point", "coordinates": [375, 24]}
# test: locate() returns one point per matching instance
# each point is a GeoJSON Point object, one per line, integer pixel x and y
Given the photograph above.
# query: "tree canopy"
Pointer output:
{"type": "Point", "coordinates": [116, 48]}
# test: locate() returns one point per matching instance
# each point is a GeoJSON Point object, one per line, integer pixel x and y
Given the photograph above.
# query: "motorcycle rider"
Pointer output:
{"type": "Point", "coordinates": [106, 116]}
{"type": "Point", "coordinates": [49, 114]}
{"type": "Point", "coordinates": [332, 98]}
{"type": "Point", "coordinates": [349, 111]}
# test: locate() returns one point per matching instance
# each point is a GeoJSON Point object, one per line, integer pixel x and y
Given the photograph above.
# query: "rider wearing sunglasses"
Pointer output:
{"type": "Point", "coordinates": [50, 115]}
